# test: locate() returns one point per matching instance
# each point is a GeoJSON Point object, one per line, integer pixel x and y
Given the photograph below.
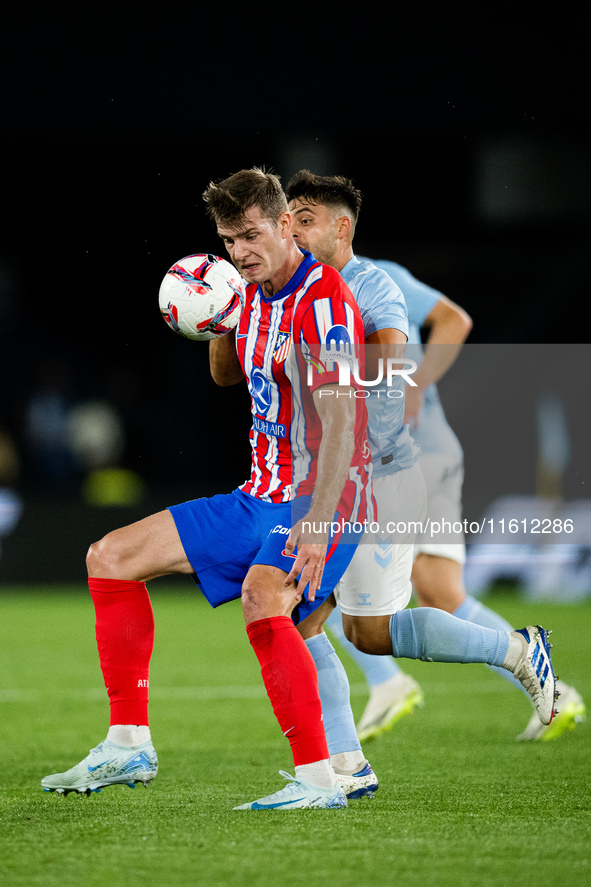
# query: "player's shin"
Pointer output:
{"type": "Point", "coordinates": [125, 640]}
{"type": "Point", "coordinates": [353, 772]}
{"type": "Point", "coordinates": [333, 687]}
{"type": "Point", "coordinates": [436, 636]}
{"type": "Point", "coordinates": [290, 679]}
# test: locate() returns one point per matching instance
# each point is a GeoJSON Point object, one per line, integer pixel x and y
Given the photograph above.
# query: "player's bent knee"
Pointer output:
{"type": "Point", "coordinates": [264, 595]}
{"type": "Point", "coordinates": [252, 598]}
{"type": "Point", "coordinates": [105, 559]}
{"type": "Point", "coordinates": [369, 634]}
{"type": "Point", "coordinates": [96, 561]}
{"type": "Point", "coordinates": [360, 642]}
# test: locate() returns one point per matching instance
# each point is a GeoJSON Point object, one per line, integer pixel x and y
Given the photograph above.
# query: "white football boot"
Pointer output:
{"type": "Point", "coordinates": [534, 670]}
{"type": "Point", "coordinates": [297, 795]}
{"type": "Point", "coordinates": [363, 783]}
{"type": "Point", "coordinates": [107, 764]}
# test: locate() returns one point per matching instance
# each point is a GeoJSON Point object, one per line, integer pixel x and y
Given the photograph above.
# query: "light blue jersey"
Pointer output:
{"type": "Point", "coordinates": [382, 307]}
{"type": "Point", "coordinates": [433, 433]}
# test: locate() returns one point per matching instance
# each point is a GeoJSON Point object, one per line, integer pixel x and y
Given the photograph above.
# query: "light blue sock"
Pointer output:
{"type": "Point", "coordinates": [473, 611]}
{"type": "Point", "coordinates": [376, 669]}
{"type": "Point", "coordinates": [333, 686]}
{"type": "Point", "coordinates": [436, 636]}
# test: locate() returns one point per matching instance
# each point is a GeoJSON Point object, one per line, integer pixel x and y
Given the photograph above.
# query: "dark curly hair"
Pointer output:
{"type": "Point", "coordinates": [326, 190]}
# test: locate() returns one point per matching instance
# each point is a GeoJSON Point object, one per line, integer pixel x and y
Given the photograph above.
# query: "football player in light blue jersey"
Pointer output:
{"type": "Point", "coordinates": [437, 568]}
{"type": "Point", "coordinates": [376, 588]}
{"type": "Point", "coordinates": [392, 446]}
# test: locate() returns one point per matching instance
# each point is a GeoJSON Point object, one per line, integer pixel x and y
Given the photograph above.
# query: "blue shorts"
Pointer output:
{"type": "Point", "coordinates": [223, 536]}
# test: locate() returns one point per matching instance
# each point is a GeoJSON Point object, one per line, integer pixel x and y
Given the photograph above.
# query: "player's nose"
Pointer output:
{"type": "Point", "coordinates": [240, 251]}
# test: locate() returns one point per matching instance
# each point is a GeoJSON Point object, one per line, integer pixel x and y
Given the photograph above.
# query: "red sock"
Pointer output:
{"type": "Point", "coordinates": [125, 639]}
{"type": "Point", "coordinates": [291, 682]}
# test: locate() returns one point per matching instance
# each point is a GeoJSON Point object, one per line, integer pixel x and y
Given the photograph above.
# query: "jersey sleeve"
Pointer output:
{"type": "Point", "coordinates": [384, 306]}
{"type": "Point", "coordinates": [331, 332]}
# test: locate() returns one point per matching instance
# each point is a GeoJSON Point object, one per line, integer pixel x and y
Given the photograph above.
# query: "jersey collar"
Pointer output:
{"type": "Point", "coordinates": [350, 265]}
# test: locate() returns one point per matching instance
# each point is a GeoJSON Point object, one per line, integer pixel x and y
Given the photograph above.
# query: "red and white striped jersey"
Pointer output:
{"type": "Point", "coordinates": [278, 340]}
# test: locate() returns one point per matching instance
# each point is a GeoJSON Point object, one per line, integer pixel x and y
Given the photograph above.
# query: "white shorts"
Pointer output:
{"type": "Point", "coordinates": [377, 581]}
{"type": "Point", "coordinates": [444, 476]}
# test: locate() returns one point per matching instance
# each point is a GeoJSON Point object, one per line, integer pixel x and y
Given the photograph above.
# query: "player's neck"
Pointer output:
{"type": "Point", "coordinates": [342, 256]}
{"type": "Point", "coordinates": [284, 274]}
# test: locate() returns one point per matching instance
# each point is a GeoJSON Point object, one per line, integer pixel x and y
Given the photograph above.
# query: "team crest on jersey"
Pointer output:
{"type": "Point", "coordinates": [282, 346]}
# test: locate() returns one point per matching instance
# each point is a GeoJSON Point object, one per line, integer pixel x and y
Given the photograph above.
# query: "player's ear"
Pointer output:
{"type": "Point", "coordinates": [284, 224]}
{"type": "Point", "coordinates": [344, 227]}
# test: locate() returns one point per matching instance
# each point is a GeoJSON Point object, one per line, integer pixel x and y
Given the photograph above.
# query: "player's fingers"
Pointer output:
{"type": "Point", "coordinates": [298, 564]}
{"type": "Point", "coordinates": [314, 585]}
{"type": "Point", "coordinates": [317, 578]}
{"type": "Point", "coordinates": [304, 565]}
{"type": "Point", "coordinates": [312, 575]}
{"type": "Point", "coordinates": [309, 562]}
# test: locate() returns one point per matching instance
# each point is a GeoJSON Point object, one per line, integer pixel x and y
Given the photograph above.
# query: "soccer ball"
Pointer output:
{"type": "Point", "coordinates": [200, 297]}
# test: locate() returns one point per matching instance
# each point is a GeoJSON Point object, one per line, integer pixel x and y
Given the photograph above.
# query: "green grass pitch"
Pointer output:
{"type": "Point", "coordinates": [460, 802]}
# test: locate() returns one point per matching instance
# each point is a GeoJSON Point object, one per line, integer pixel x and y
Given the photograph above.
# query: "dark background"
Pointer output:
{"type": "Point", "coordinates": [466, 132]}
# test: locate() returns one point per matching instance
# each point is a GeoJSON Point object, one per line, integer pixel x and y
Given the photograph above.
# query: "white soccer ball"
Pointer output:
{"type": "Point", "coordinates": [200, 297]}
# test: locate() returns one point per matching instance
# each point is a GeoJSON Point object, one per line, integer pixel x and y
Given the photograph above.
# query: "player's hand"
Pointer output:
{"type": "Point", "coordinates": [413, 402]}
{"type": "Point", "coordinates": [309, 560]}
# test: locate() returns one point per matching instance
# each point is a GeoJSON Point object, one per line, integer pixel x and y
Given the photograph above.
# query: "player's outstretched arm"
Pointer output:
{"type": "Point", "coordinates": [448, 325]}
{"type": "Point", "coordinates": [337, 415]}
{"type": "Point", "coordinates": [223, 360]}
